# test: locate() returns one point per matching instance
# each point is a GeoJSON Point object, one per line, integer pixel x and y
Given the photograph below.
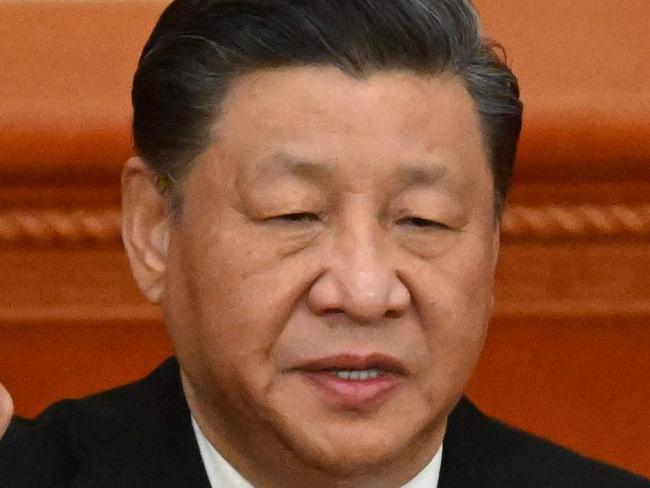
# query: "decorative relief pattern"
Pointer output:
{"type": "Point", "coordinates": [60, 227]}
{"type": "Point", "coordinates": [577, 221]}
{"type": "Point", "coordinates": [102, 227]}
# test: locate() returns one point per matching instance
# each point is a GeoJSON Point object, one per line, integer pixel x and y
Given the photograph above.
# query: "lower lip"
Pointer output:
{"type": "Point", "coordinates": [357, 394]}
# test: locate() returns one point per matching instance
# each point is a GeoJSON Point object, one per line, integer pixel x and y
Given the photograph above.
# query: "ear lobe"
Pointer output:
{"type": "Point", "coordinates": [145, 230]}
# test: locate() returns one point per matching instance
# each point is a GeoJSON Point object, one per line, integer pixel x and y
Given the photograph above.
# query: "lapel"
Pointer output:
{"type": "Point", "coordinates": [153, 443]}
{"type": "Point", "coordinates": [466, 460]}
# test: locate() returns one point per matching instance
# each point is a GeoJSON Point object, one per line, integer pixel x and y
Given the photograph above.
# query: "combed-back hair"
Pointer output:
{"type": "Point", "coordinates": [199, 46]}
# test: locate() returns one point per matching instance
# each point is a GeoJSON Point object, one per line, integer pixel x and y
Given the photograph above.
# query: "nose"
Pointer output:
{"type": "Point", "coordinates": [359, 279]}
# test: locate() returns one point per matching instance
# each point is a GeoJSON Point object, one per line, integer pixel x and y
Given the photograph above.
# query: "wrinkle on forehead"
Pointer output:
{"type": "Point", "coordinates": [338, 101]}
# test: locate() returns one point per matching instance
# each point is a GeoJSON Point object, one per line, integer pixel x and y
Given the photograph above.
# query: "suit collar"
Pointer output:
{"type": "Point", "coordinates": [157, 446]}
{"type": "Point", "coordinates": [467, 461]}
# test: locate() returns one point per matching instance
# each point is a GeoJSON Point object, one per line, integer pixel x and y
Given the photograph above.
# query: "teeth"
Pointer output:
{"type": "Point", "coordinates": [357, 374]}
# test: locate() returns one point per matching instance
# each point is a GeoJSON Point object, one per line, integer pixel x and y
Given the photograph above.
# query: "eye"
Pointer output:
{"type": "Point", "coordinates": [298, 217]}
{"type": "Point", "coordinates": [421, 223]}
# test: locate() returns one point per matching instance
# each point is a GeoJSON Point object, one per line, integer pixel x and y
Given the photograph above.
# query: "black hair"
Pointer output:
{"type": "Point", "coordinates": [199, 46]}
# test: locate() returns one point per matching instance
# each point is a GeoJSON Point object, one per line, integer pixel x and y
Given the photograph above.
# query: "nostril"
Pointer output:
{"type": "Point", "coordinates": [393, 314]}
{"type": "Point", "coordinates": [332, 310]}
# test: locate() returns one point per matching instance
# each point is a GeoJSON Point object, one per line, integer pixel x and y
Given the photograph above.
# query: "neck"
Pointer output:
{"type": "Point", "coordinates": [264, 459]}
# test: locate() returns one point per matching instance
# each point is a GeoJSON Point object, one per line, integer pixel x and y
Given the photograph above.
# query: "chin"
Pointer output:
{"type": "Point", "coordinates": [348, 442]}
{"type": "Point", "coordinates": [349, 447]}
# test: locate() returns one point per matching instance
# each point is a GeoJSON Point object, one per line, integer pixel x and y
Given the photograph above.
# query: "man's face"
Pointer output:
{"type": "Point", "coordinates": [329, 281]}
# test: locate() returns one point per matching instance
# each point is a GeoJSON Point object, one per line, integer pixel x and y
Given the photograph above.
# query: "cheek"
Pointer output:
{"type": "Point", "coordinates": [237, 297]}
{"type": "Point", "coordinates": [458, 305]}
{"type": "Point", "coordinates": [455, 324]}
{"type": "Point", "coordinates": [220, 336]}
{"type": "Point", "coordinates": [469, 272]}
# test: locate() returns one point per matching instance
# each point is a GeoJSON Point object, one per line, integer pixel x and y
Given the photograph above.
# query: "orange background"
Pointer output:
{"type": "Point", "coordinates": [569, 344]}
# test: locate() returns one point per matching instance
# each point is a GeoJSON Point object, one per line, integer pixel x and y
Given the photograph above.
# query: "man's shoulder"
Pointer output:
{"type": "Point", "coordinates": [124, 437]}
{"type": "Point", "coordinates": [93, 418]}
{"type": "Point", "coordinates": [488, 452]}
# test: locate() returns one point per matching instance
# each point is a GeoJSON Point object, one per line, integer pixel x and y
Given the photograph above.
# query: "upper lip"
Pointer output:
{"type": "Point", "coordinates": [377, 360]}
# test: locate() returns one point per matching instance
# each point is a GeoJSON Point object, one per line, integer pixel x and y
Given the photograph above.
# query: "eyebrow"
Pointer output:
{"type": "Point", "coordinates": [284, 162]}
{"type": "Point", "coordinates": [420, 174]}
{"type": "Point", "coordinates": [415, 174]}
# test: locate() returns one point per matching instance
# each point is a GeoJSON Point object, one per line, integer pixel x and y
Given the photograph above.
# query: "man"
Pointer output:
{"type": "Point", "coordinates": [315, 204]}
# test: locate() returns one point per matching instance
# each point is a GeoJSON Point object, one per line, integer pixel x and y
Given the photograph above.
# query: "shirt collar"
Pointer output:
{"type": "Point", "coordinates": [222, 474]}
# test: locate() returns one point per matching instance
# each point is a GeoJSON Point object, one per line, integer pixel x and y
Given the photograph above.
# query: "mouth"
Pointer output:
{"type": "Point", "coordinates": [351, 381]}
{"type": "Point", "coordinates": [357, 374]}
{"type": "Point", "coordinates": [341, 364]}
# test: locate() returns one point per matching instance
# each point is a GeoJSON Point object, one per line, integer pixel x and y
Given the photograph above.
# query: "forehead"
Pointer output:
{"type": "Point", "coordinates": [323, 115]}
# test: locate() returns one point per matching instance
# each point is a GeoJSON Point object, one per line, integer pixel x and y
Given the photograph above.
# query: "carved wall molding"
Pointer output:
{"type": "Point", "coordinates": [64, 227]}
{"type": "Point", "coordinates": [579, 221]}
{"type": "Point", "coordinates": [101, 227]}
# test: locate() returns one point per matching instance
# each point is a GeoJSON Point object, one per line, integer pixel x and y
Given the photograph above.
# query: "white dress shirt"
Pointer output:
{"type": "Point", "coordinates": [222, 475]}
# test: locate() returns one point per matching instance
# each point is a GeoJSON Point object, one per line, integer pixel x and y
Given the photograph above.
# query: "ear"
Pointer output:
{"type": "Point", "coordinates": [145, 229]}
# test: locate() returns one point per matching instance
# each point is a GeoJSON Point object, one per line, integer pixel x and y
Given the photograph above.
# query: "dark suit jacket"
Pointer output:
{"type": "Point", "coordinates": [140, 435]}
